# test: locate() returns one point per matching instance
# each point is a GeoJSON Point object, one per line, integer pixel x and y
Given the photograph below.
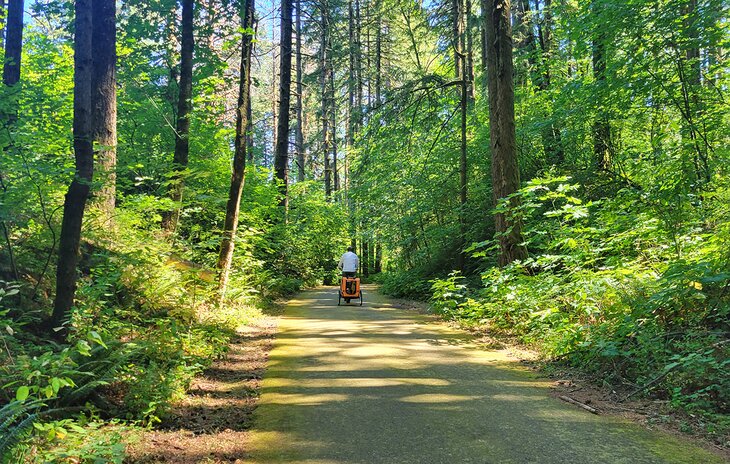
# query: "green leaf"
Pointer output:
{"type": "Point", "coordinates": [95, 337]}
{"type": "Point", "coordinates": [22, 393]}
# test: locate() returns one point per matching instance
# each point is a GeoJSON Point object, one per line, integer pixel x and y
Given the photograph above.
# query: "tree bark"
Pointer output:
{"type": "Point", "coordinates": [104, 95]}
{"type": "Point", "coordinates": [484, 4]}
{"type": "Point", "coordinates": [540, 72]}
{"type": "Point", "coordinates": [323, 81]}
{"type": "Point", "coordinates": [300, 75]}
{"type": "Point", "coordinates": [378, 257]}
{"type": "Point", "coordinates": [281, 156]}
{"type": "Point", "coordinates": [13, 53]}
{"type": "Point", "coordinates": [13, 42]}
{"type": "Point", "coordinates": [184, 107]}
{"type": "Point", "coordinates": [378, 53]}
{"type": "Point", "coordinates": [457, 26]}
{"type": "Point", "coordinates": [505, 170]}
{"type": "Point", "coordinates": [249, 130]}
{"type": "Point", "coordinates": [333, 128]}
{"type": "Point", "coordinates": [78, 192]}
{"type": "Point", "coordinates": [358, 70]}
{"type": "Point", "coordinates": [351, 75]}
{"type": "Point", "coordinates": [463, 61]}
{"type": "Point", "coordinates": [241, 147]}
{"type": "Point", "coordinates": [461, 261]}
{"type": "Point", "coordinates": [601, 124]}
{"type": "Point", "coordinates": [691, 79]}
{"type": "Point", "coordinates": [469, 42]}
{"type": "Point", "coordinates": [2, 26]}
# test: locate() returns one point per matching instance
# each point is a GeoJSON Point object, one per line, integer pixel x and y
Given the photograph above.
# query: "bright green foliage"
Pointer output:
{"type": "Point", "coordinates": [636, 303]}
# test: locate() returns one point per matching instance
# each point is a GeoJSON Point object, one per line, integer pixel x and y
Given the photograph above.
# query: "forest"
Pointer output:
{"type": "Point", "coordinates": [552, 171]}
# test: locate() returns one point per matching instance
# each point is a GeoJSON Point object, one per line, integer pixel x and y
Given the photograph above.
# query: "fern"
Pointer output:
{"type": "Point", "coordinates": [17, 420]}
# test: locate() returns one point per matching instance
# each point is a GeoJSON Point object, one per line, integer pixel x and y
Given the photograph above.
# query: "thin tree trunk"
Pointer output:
{"type": "Point", "coordinates": [378, 53]}
{"type": "Point", "coordinates": [238, 175]}
{"type": "Point", "coordinates": [324, 73]}
{"type": "Point", "coordinates": [690, 75]}
{"type": "Point", "coordinates": [540, 73]}
{"type": "Point", "coordinates": [461, 261]}
{"type": "Point", "coordinates": [378, 257]}
{"type": "Point", "coordinates": [249, 130]}
{"type": "Point", "coordinates": [281, 156]}
{"type": "Point", "coordinates": [457, 25]}
{"type": "Point", "coordinates": [104, 94]}
{"type": "Point", "coordinates": [484, 79]}
{"type": "Point", "coordinates": [300, 75]}
{"type": "Point", "coordinates": [601, 124]}
{"type": "Point", "coordinates": [505, 170]}
{"type": "Point", "coordinates": [333, 128]}
{"type": "Point", "coordinates": [78, 192]}
{"type": "Point", "coordinates": [184, 107]}
{"type": "Point", "coordinates": [351, 76]}
{"type": "Point", "coordinates": [358, 69]}
{"type": "Point", "coordinates": [469, 42]}
{"type": "Point", "coordinates": [462, 74]}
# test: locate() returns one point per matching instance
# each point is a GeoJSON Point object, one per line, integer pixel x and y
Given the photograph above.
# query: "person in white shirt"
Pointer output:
{"type": "Point", "coordinates": [348, 263]}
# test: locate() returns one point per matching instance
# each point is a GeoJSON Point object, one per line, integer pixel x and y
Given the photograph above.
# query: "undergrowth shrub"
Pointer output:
{"type": "Point", "coordinates": [644, 306]}
{"type": "Point", "coordinates": [408, 284]}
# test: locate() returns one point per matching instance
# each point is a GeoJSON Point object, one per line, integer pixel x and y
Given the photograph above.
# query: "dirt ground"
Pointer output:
{"type": "Point", "coordinates": [211, 424]}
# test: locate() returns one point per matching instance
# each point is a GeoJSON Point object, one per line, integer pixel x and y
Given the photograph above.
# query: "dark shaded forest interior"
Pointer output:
{"type": "Point", "coordinates": [554, 172]}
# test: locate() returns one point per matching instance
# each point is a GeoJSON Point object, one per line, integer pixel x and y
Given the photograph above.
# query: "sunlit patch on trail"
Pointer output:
{"type": "Point", "coordinates": [439, 398]}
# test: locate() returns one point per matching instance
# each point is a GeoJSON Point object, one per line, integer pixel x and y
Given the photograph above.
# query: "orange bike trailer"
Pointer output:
{"type": "Point", "coordinates": [349, 290]}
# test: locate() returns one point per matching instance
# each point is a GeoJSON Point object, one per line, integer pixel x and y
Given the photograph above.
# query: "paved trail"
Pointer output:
{"type": "Point", "coordinates": [376, 384]}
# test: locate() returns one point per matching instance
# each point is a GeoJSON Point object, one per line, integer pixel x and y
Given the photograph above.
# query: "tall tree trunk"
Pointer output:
{"type": "Point", "coordinates": [457, 25]}
{"type": "Point", "coordinates": [238, 175]}
{"type": "Point", "coordinates": [184, 107]}
{"type": "Point", "coordinates": [460, 52]}
{"type": "Point", "coordinates": [249, 130]}
{"type": "Point", "coordinates": [3, 12]}
{"type": "Point", "coordinates": [323, 81]}
{"type": "Point", "coordinates": [601, 124]}
{"type": "Point", "coordinates": [281, 156]}
{"type": "Point", "coordinates": [540, 72]}
{"type": "Point", "coordinates": [358, 69]}
{"type": "Point", "coordinates": [505, 170]}
{"type": "Point", "coordinates": [333, 128]}
{"type": "Point", "coordinates": [300, 75]}
{"type": "Point", "coordinates": [461, 258]}
{"type": "Point", "coordinates": [13, 54]}
{"type": "Point", "coordinates": [351, 75]}
{"type": "Point", "coordinates": [484, 4]}
{"type": "Point", "coordinates": [378, 257]}
{"type": "Point", "coordinates": [104, 95]}
{"type": "Point", "coordinates": [13, 42]}
{"type": "Point", "coordinates": [690, 74]}
{"type": "Point", "coordinates": [469, 50]}
{"type": "Point", "coordinates": [78, 192]}
{"type": "Point", "coordinates": [378, 53]}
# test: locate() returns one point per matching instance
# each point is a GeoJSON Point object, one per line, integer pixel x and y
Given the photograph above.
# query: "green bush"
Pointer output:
{"type": "Point", "coordinates": [651, 321]}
